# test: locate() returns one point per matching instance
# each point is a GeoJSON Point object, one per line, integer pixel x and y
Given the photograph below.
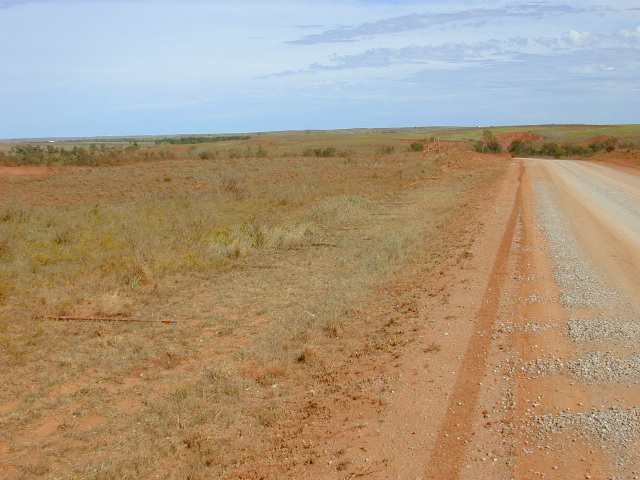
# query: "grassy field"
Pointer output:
{"type": "Point", "coordinates": [263, 251]}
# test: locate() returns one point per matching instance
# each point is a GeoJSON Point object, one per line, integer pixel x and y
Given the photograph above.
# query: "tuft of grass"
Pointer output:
{"type": "Point", "coordinates": [14, 213]}
{"type": "Point", "coordinates": [337, 209]}
{"type": "Point", "coordinates": [230, 183]}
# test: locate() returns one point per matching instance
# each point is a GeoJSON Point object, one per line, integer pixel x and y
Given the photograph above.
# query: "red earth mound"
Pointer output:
{"type": "Point", "coordinates": [599, 138]}
{"type": "Point", "coordinates": [506, 139]}
{"type": "Point", "coordinates": [454, 157]}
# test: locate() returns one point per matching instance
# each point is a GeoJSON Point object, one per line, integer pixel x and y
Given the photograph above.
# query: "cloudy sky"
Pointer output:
{"type": "Point", "coordinates": [135, 67]}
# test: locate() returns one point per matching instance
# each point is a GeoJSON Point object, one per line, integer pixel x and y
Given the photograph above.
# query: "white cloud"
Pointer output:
{"type": "Point", "coordinates": [621, 39]}
{"type": "Point", "coordinates": [13, 3]}
{"type": "Point", "coordinates": [580, 39]}
{"type": "Point", "coordinates": [416, 21]}
{"type": "Point", "coordinates": [448, 53]}
{"type": "Point", "coordinates": [633, 35]}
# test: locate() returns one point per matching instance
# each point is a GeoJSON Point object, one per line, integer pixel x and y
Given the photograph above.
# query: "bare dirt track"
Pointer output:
{"type": "Point", "coordinates": [518, 361]}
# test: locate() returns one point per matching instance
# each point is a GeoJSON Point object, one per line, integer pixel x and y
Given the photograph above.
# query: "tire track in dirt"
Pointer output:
{"type": "Point", "coordinates": [456, 430]}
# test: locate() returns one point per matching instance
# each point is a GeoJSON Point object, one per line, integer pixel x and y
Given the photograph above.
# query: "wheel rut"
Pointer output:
{"type": "Point", "coordinates": [454, 435]}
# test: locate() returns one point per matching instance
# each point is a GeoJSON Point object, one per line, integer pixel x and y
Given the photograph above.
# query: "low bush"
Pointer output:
{"type": "Point", "coordinates": [520, 148]}
{"type": "Point", "coordinates": [416, 147]}
{"type": "Point", "coordinates": [488, 144]}
{"type": "Point", "coordinates": [326, 152]}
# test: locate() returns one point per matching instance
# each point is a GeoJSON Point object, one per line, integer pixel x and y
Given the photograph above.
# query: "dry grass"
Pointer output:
{"type": "Point", "coordinates": [263, 260]}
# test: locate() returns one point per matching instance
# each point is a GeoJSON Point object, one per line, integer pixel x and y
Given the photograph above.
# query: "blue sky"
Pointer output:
{"type": "Point", "coordinates": [137, 67]}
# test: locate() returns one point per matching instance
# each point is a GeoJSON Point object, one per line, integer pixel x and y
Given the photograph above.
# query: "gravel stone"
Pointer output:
{"type": "Point", "coordinates": [594, 367]}
{"type": "Point", "coordinates": [615, 320]}
{"type": "Point", "coordinates": [614, 428]}
{"type": "Point", "coordinates": [578, 280]}
{"type": "Point", "coordinates": [598, 329]}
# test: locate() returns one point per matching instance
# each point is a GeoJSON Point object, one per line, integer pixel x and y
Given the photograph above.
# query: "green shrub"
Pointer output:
{"type": "Point", "coordinates": [320, 152]}
{"type": "Point", "coordinates": [574, 151]}
{"type": "Point", "coordinates": [551, 149]}
{"type": "Point", "coordinates": [520, 148]}
{"type": "Point", "coordinates": [416, 146]}
{"type": "Point", "coordinates": [488, 144]}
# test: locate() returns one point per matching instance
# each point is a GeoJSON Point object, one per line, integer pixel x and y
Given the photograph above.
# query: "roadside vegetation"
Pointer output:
{"type": "Point", "coordinates": [489, 143]}
{"type": "Point", "coordinates": [549, 148]}
{"type": "Point", "coordinates": [523, 148]}
{"type": "Point", "coordinates": [262, 253]}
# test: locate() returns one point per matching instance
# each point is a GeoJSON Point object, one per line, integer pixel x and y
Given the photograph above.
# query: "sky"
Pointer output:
{"type": "Point", "coordinates": [73, 68]}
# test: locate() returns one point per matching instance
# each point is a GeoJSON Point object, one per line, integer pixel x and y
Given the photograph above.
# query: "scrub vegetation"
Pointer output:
{"type": "Point", "coordinates": [532, 146]}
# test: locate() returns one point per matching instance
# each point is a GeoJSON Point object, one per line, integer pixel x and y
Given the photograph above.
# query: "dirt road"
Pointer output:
{"type": "Point", "coordinates": [548, 386]}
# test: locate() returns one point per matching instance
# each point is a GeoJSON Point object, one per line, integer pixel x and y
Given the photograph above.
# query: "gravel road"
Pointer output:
{"type": "Point", "coordinates": [587, 217]}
